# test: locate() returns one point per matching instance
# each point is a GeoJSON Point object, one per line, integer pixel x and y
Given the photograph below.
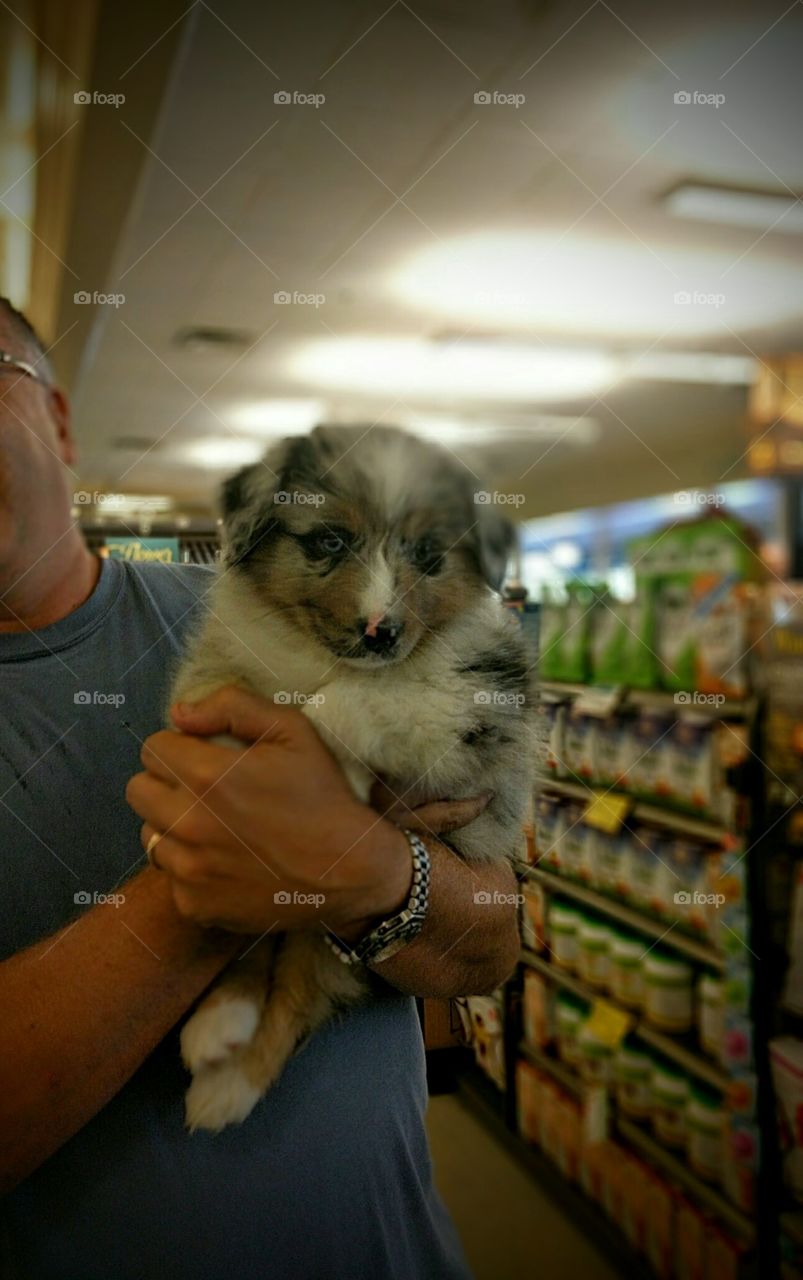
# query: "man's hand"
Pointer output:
{"type": "Point", "coordinates": [266, 834]}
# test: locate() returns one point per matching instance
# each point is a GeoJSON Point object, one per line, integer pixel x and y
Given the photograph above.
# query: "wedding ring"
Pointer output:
{"type": "Point", "coordinates": [152, 843]}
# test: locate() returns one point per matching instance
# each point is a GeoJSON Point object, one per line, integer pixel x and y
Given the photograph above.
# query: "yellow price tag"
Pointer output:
{"type": "Point", "coordinates": [608, 1024]}
{"type": "Point", "coordinates": [607, 811]}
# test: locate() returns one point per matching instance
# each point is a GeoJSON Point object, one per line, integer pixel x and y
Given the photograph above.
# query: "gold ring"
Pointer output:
{"type": "Point", "coordinates": [152, 843]}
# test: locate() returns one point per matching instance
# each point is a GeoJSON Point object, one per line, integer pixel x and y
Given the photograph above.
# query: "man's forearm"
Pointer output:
{"type": "Point", "coordinates": [81, 1010]}
{"type": "Point", "coordinates": [470, 941]}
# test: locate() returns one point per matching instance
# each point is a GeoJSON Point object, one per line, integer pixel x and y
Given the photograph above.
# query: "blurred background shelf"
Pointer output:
{"type": "Point", "coordinates": [701, 828]}
{"type": "Point", "coordinates": [701, 952]}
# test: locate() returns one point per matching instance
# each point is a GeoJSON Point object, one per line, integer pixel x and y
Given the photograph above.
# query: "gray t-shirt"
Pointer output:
{"type": "Point", "coordinates": [330, 1177]}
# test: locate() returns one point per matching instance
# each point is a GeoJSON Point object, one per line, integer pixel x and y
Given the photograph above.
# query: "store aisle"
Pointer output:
{"type": "Point", "coordinates": [510, 1229]}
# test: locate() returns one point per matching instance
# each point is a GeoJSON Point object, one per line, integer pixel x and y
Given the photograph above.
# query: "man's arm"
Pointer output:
{"type": "Point", "coordinates": [81, 1010]}
{"type": "Point", "coordinates": [470, 941]}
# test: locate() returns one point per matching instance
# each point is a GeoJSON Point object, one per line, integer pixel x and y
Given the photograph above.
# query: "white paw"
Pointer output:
{"type": "Point", "coordinates": [219, 1096]}
{"type": "Point", "coordinates": [217, 1031]}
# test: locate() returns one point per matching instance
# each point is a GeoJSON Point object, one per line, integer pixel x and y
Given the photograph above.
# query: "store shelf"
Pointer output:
{"type": "Point", "coordinates": [700, 828]}
{"type": "Point", "coordinates": [676, 1168]}
{"type": "Point", "coordinates": [658, 929]}
{"type": "Point", "coordinates": [589, 1219]}
{"type": "Point", "coordinates": [563, 1075]}
{"type": "Point", "coordinates": [659, 700]}
{"type": "Point", "coordinates": [670, 1046]}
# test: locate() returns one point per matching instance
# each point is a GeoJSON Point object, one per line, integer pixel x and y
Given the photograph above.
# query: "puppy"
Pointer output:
{"type": "Point", "coordinates": [358, 578]}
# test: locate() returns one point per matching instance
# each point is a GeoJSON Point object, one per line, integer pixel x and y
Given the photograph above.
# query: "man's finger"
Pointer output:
{"type": "Point", "coordinates": [236, 712]}
{"type": "Point", "coordinates": [441, 816]}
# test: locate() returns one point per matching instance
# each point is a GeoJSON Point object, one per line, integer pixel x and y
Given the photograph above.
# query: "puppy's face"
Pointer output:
{"type": "Point", "coordinates": [364, 541]}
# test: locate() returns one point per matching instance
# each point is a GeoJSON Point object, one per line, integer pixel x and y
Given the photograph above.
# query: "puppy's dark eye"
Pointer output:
{"type": "Point", "coordinates": [426, 555]}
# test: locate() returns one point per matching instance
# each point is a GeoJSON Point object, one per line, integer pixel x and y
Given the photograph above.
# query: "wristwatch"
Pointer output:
{"type": "Point", "coordinates": [395, 932]}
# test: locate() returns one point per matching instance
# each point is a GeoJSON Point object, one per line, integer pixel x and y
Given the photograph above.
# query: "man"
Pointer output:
{"type": "Point", "coordinates": [102, 954]}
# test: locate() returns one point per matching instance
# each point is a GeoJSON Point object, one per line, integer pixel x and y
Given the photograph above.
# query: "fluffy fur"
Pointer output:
{"type": "Point", "coordinates": [360, 573]}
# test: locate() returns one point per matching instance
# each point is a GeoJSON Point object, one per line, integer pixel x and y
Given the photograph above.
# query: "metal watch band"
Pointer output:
{"type": "Point", "coordinates": [395, 932]}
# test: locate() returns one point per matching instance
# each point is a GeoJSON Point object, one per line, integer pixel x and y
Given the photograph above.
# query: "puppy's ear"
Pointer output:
{"type": "Point", "coordinates": [248, 506]}
{"type": "Point", "coordinates": [494, 538]}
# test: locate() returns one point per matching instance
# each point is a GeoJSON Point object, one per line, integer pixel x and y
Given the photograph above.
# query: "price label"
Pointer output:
{"type": "Point", "coordinates": [608, 1024]}
{"type": "Point", "coordinates": [607, 811]}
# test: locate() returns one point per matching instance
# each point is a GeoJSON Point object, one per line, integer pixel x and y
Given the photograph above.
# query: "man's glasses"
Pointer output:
{"type": "Point", "coordinates": [7, 361]}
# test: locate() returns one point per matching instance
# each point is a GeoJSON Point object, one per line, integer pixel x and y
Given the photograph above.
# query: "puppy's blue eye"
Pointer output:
{"type": "Point", "coordinates": [426, 554]}
{"type": "Point", "coordinates": [332, 544]}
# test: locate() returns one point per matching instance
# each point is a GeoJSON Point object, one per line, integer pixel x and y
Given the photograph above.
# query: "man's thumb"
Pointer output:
{"type": "Point", "coordinates": [234, 711]}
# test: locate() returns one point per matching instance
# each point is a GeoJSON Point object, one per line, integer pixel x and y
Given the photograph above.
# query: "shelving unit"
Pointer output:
{"type": "Point", "coordinates": [640, 1140]}
{"type": "Point", "coordinates": [670, 1046]}
{"type": "Point", "coordinates": [702, 952]}
{"type": "Point", "coordinates": [700, 828]}
{"type": "Point", "coordinates": [658, 700]}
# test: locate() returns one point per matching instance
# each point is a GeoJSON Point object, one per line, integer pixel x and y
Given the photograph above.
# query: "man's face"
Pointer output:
{"type": "Point", "coordinates": [35, 454]}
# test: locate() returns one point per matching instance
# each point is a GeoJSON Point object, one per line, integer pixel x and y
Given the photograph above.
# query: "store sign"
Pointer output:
{"type": "Point", "coordinates": [158, 550]}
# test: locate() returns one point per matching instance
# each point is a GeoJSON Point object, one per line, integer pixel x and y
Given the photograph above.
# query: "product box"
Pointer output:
{"type": "Point", "coordinates": [538, 1028]}
{"type": "Point", "coordinates": [690, 1242]}
{"type": "Point", "coordinates": [659, 1226]}
{"type": "Point", "coordinates": [529, 1082]}
{"type": "Point", "coordinates": [533, 917]}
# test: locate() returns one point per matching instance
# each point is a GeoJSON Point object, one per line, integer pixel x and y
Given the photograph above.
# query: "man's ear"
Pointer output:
{"type": "Point", "coordinates": [495, 537]}
{"type": "Point", "coordinates": [58, 406]}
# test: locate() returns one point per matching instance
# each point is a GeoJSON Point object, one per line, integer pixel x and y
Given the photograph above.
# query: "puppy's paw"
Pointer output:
{"type": "Point", "coordinates": [216, 1031]}
{"type": "Point", "coordinates": [219, 1096]}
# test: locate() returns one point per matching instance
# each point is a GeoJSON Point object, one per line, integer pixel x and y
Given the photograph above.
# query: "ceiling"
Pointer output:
{"type": "Point", "coordinates": [219, 197]}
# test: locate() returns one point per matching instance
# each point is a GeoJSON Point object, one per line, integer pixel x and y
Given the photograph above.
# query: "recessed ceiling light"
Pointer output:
{"type": "Point", "coordinates": [211, 337]}
{"type": "Point", "coordinates": [761, 210]}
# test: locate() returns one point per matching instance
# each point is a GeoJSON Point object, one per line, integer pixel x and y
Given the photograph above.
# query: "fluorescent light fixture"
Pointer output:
{"type": "Point", "coordinates": [596, 287]}
{"type": "Point", "coordinates": [503, 429]}
{"type": "Point", "coordinates": [222, 454]}
{"type": "Point", "coordinates": [413, 368]}
{"type": "Point", "coordinates": [693, 366]}
{"type": "Point", "coordinates": [277, 417]}
{"type": "Point", "coordinates": [760, 210]}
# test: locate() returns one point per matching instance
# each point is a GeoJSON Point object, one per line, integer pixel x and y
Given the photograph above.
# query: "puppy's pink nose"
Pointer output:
{"type": "Point", "coordinates": [372, 624]}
